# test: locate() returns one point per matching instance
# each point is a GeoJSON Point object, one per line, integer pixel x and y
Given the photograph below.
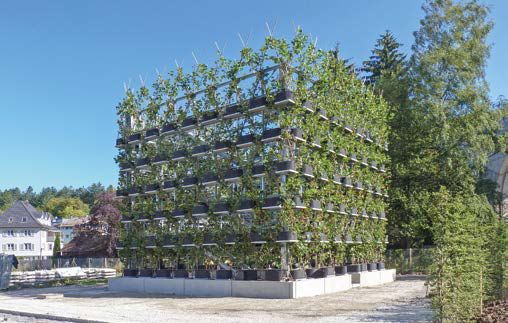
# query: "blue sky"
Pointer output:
{"type": "Point", "coordinates": [63, 65]}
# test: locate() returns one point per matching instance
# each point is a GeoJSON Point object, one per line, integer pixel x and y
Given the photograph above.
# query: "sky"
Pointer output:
{"type": "Point", "coordinates": [63, 65]}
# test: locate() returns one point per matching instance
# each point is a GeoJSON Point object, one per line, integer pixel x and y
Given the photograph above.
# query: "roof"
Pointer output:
{"type": "Point", "coordinates": [22, 210]}
{"type": "Point", "coordinates": [72, 222]}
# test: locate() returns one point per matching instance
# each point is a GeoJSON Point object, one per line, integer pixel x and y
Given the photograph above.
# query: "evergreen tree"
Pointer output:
{"type": "Point", "coordinates": [57, 247]}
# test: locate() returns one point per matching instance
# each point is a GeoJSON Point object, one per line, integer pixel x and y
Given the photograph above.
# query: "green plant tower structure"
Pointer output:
{"type": "Point", "coordinates": [274, 161]}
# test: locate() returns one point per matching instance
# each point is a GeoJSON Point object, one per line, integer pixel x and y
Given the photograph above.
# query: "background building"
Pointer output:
{"type": "Point", "coordinates": [67, 228]}
{"type": "Point", "coordinates": [497, 170]}
{"type": "Point", "coordinates": [26, 232]}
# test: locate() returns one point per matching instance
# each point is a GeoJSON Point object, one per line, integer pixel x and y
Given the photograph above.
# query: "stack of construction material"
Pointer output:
{"type": "Point", "coordinates": [42, 276]}
{"type": "Point", "coordinates": [100, 273]}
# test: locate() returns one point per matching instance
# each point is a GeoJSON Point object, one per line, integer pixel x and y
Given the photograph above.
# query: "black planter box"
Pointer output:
{"type": "Point", "coordinates": [359, 132]}
{"type": "Point", "coordinates": [179, 154]}
{"type": "Point", "coordinates": [163, 273]}
{"type": "Point", "coordinates": [354, 268]}
{"type": "Point", "coordinates": [130, 272]}
{"type": "Point", "coordinates": [364, 213]}
{"type": "Point", "coordinates": [335, 120]}
{"type": "Point", "coordinates": [202, 274]}
{"type": "Point", "coordinates": [209, 117]}
{"type": "Point", "coordinates": [223, 274]}
{"type": "Point", "coordinates": [160, 215]}
{"type": "Point", "coordinates": [323, 176]}
{"type": "Point", "coordinates": [200, 210]}
{"type": "Point", "coordinates": [150, 242]}
{"type": "Point", "coordinates": [134, 191]}
{"type": "Point", "coordinates": [275, 274]}
{"type": "Point", "coordinates": [200, 150]}
{"type": "Point", "coordinates": [120, 142]}
{"type": "Point", "coordinates": [346, 181]}
{"type": "Point", "coordinates": [209, 178]}
{"type": "Point", "coordinates": [221, 146]}
{"type": "Point", "coordinates": [181, 273]}
{"type": "Point", "coordinates": [121, 193]}
{"type": "Point", "coordinates": [354, 158]}
{"type": "Point", "coordinates": [342, 153]}
{"type": "Point", "coordinates": [308, 171]}
{"type": "Point", "coordinates": [272, 203]}
{"type": "Point", "coordinates": [258, 170]}
{"type": "Point", "coordinates": [152, 188]}
{"type": "Point", "coordinates": [125, 166]}
{"type": "Point", "coordinates": [169, 185]}
{"type": "Point", "coordinates": [316, 205]}
{"type": "Point", "coordinates": [380, 265]}
{"type": "Point", "coordinates": [371, 266]}
{"type": "Point", "coordinates": [160, 159]}
{"type": "Point", "coordinates": [322, 114]}
{"type": "Point", "coordinates": [169, 241]}
{"type": "Point", "coordinates": [348, 239]}
{"type": "Point", "coordinates": [297, 134]}
{"type": "Point", "coordinates": [359, 186]}
{"type": "Point", "coordinates": [358, 240]}
{"type": "Point", "coordinates": [287, 236]}
{"type": "Point", "coordinates": [348, 128]}
{"type": "Point", "coordinates": [208, 240]}
{"type": "Point", "coordinates": [256, 238]}
{"type": "Point", "coordinates": [245, 140]}
{"type": "Point", "coordinates": [189, 123]}
{"type": "Point", "coordinates": [365, 162]}
{"type": "Point", "coordinates": [231, 111]}
{"type": "Point", "coordinates": [340, 270]}
{"type": "Point", "coordinates": [327, 271]}
{"type": "Point", "coordinates": [382, 215]}
{"type": "Point", "coordinates": [298, 203]}
{"type": "Point", "coordinates": [316, 142]}
{"type": "Point", "coordinates": [151, 133]}
{"type": "Point", "coordinates": [337, 179]}
{"type": "Point", "coordinates": [382, 169]}
{"type": "Point", "coordinates": [142, 218]}
{"type": "Point", "coordinates": [285, 167]}
{"type": "Point", "coordinates": [143, 162]}
{"type": "Point", "coordinates": [134, 138]}
{"type": "Point", "coordinates": [246, 205]}
{"type": "Point", "coordinates": [364, 266]}
{"type": "Point", "coordinates": [312, 273]}
{"type": "Point", "coordinates": [308, 106]}
{"type": "Point", "coordinates": [342, 209]}
{"type": "Point", "coordinates": [168, 128]}
{"type": "Point", "coordinates": [125, 219]}
{"type": "Point", "coordinates": [146, 272]}
{"type": "Point", "coordinates": [230, 239]}
{"type": "Point", "coordinates": [250, 274]}
{"type": "Point", "coordinates": [257, 104]}
{"type": "Point", "coordinates": [178, 213]}
{"type": "Point", "coordinates": [221, 208]}
{"type": "Point", "coordinates": [285, 95]}
{"type": "Point", "coordinates": [271, 135]}
{"type": "Point", "coordinates": [188, 241]}
{"type": "Point", "coordinates": [330, 208]}
{"type": "Point", "coordinates": [298, 274]}
{"type": "Point", "coordinates": [189, 181]}
{"type": "Point", "coordinates": [368, 137]}
{"type": "Point", "coordinates": [233, 174]}
{"type": "Point", "coordinates": [373, 165]}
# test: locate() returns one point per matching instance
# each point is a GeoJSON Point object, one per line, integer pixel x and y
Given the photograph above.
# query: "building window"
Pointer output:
{"type": "Point", "coordinates": [50, 246]}
{"type": "Point", "coordinates": [23, 219]}
{"type": "Point", "coordinates": [29, 246]}
{"type": "Point", "coordinates": [10, 219]}
{"type": "Point", "coordinates": [11, 247]}
{"type": "Point", "coordinates": [10, 233]}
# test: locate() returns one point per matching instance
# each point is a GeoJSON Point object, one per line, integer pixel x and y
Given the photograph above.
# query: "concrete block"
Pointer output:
{"type": "Point", "coordinates": [309, 287]}
{"type": "Point", "coordinates": [164, 286]}
{"type": "Point", "coordinates": [334, 284]}
{"type": "Point", "coordinates": [261, 289]}
{"type": "Point", "coordinates": [387, 275]}
{"type": "Point", "coordinates": [206, 287]}
{"type": "Point", "coordinates": [127, 284]}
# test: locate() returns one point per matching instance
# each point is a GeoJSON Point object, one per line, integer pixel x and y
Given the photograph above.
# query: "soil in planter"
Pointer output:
{"type": "Point", "coordinates": [275, 274]}
{"type": "Point", "coordinates": [250, 275]}
{"type": "Point", "coordinates": [223, 274]}
{"type": "Point", "coordinates": [202, 274]}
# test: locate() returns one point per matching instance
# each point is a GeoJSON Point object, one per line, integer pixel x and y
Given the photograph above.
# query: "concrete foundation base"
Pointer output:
{"type": "Point", "coordinates": [373, 278]}
{"type": "Point", "coordinates": [232, 288]}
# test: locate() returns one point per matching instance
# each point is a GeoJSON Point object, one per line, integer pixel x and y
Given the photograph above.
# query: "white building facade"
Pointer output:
{"type": "Point", "coordinates": [26, 232]}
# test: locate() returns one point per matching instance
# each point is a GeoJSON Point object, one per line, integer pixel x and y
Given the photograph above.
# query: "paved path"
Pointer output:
{"type": "Point", "coordinates": [401, 301]}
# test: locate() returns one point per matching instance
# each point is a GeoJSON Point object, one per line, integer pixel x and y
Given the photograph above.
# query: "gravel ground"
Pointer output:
{"type": "Point", "coordinates": [401, 301]}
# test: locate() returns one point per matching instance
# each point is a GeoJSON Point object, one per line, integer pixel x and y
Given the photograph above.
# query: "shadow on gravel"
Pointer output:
{"type": "Point", "coordinates": [416, 310]}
